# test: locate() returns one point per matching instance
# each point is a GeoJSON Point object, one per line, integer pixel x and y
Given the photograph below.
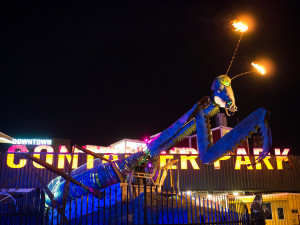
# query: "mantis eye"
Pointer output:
{"type": "Point", "coordinates": [226, 83]}
{"type": "Point", "coordinates": [225, 80]}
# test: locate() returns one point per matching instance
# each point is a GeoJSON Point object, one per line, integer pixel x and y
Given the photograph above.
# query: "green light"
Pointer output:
{"type": "Point", "coordinates": [225, 80]}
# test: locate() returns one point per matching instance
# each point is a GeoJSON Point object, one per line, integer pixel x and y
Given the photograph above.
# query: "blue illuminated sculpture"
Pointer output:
{"type": "Point", "coordinates": [195, 120]}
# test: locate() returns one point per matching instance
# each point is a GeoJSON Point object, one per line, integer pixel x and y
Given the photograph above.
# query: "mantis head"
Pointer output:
{"type": "Point", "coordinates": [222, 94]}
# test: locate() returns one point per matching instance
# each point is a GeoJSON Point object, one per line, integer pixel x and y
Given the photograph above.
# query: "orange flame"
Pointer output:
{"type": "Point", "coordinates": [239, 26]}
{"type": "Point", "coordinates": [259, 68]}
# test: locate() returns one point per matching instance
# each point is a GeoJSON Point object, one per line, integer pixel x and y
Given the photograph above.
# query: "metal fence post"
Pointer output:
{"type": "Point", "coordinates": [110, 204]}
{"type": "Point", "coordinates": [87, 209]}
{"type": "Point", "coordinates": [132, 195]}
{"type": "Point", "coordinates": [156, 193]}
{"type": "Point", "coordinates": [127, 203]}
{"type": "Point", "coordinates": [98, 210]}
{"type": "Point", "coordinates": [195, 208]}
{"type": "Point", "coordinates": [151, 204]}
{"type": "Point", "coordinates": [145, 203]}
{"type": "Point", "coordinates": [104, 205]}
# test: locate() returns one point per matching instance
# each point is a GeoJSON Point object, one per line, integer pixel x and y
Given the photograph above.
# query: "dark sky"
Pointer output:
{"type": "Point", "coordinates": [96, 74]}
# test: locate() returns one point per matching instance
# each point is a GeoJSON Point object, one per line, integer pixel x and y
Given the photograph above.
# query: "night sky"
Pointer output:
{"type": "Point", "coordinates": [97, 74]}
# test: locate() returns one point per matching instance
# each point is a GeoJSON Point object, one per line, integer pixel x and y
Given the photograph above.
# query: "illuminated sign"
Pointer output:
{"type": "Point", "coordinates": [242, 159]}
{"type": "Point", "coordinates": [32, 141]}
{"type": "Point", "coordinates": [186, 156]}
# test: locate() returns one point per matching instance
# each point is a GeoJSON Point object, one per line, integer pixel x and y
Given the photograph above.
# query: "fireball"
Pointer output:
{"type": "Point", "coordinates": [239, 26]}
{"type": "Point", "coordinates": [259, 68]}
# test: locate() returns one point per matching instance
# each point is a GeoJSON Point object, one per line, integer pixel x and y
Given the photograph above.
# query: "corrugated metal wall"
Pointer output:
{"type": "Point", "coordinates": [206, 178]}
{"type": "Point", "coordinates": [27, 176]}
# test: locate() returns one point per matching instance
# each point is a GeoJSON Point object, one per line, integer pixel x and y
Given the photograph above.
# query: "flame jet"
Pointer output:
{"type": "Point", "coordinates": [239, 26]}
{"type": "Point", "coordinates": [195, 120]}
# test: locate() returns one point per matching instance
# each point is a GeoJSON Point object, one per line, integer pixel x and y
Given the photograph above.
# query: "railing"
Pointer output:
{"type": "Point", "coordinates": [28, 209]}
{"type": "Point", "coordinates": [115, 206]}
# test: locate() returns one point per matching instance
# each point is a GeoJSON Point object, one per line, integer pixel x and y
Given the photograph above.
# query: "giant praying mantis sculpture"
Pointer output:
{"type": "Point", "coordinates": [195, 120]}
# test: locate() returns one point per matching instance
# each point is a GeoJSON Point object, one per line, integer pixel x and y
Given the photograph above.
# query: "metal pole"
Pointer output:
{"type": "Point", "coordinates": [145, 203]}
